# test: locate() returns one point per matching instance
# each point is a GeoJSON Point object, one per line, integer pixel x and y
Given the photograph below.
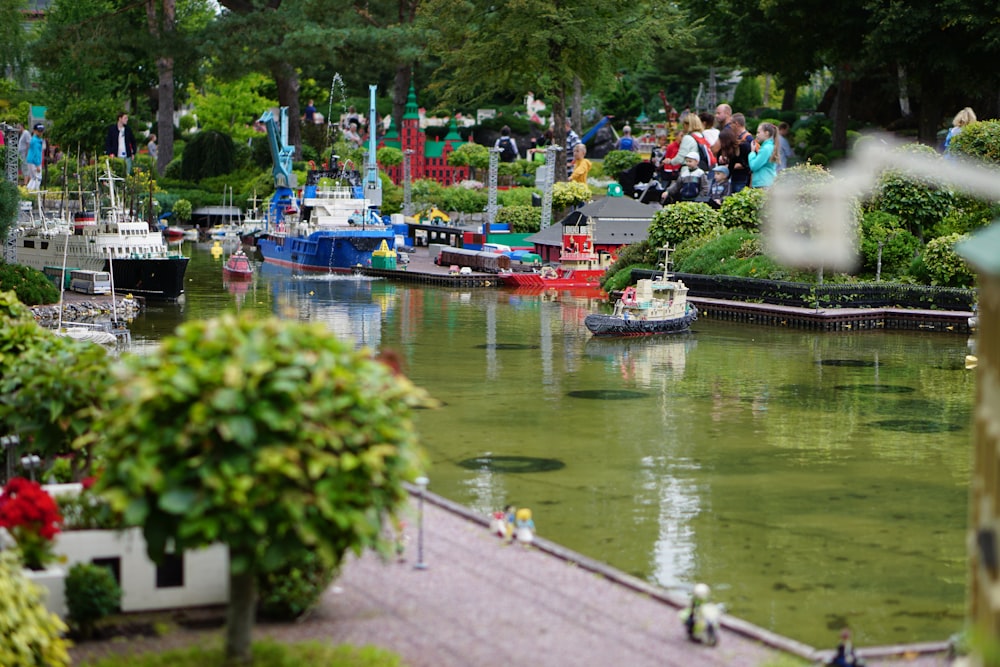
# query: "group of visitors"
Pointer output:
{"type": "Point", "coordinates": [714, 155]}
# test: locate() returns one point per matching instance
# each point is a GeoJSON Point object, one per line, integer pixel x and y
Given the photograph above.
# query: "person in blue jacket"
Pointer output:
{"type": "Point", "coordinates": [764, 160]}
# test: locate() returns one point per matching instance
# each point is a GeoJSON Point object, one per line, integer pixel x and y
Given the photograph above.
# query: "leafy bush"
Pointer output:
{"type": "Point", "coordinates": [672, 224]}
{"type": "Point", "coordinates": [50, 392]}
{"type": "Point", "coordinates": [899, 246]}
{"type": "Point", "coordinates": [30, 636]}
{"type": "Point", "coordinates": [91, 595]}
{"type": "Point", "coordinates": [919, 204]}
{"type": "Point", "coordinates": [522, 219]}
{"type": "Point", "coordinates": [616, 162]}
{"type": "Point", "coordinates": [722, 256]}
{"type": "Point", "coordinates": [463, 200]}
{"type": "Point", "coordinates": [637, 255]}
{"type": "Point", "coordinates": [208, 153]}
{"type": "Point", "coordinates": [570, 193]}
{"type": "Point", "coordinates": [31, 286]}
{"type": "Point", "coordinates": [743, 209]}
{"type": "Point", "coordinates": [182, 210]}
{"type": "Point", "coordinates": [967, 215]}
{"type": "Point", "coordinates": [272, 437]}
{"type": "Point", "coordinates": [979, 140]}
{"type": "Point", "coordinates": [516, 196]}
{"type": "Point", "coordinates": [289, 592]}
{"type": "Point", "coordinates": [387, 156]}
{"type": "Point", "coordinates": [426, 192]}
{"type": "Point", "coordinates": [265, 654]}
{"type": "Point", "coordinates": [944, 266]}
{"type": "Point", "coordinates": [472, 155]}
{"type": "Point", "coordinates": [10, 202]}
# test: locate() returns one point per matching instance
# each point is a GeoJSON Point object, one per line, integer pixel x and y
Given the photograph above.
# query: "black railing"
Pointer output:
{"type": "Point", "coordinates": [807, 295]}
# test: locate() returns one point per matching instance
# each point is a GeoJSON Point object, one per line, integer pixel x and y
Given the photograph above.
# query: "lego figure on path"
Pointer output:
{"type": "Point", "coordinates": [846, 657]}
{"type": "Point", "coordinates": [524, 526]}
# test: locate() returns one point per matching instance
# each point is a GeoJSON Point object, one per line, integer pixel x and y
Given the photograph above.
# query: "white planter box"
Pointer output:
{"type": "Point", "coordinates": [53, 580]}
{"type": "Point", "coordinates": [203, 580]}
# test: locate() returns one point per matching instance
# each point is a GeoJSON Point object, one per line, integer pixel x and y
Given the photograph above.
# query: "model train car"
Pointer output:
{"type": "Point", "coordinates": [477, 260]}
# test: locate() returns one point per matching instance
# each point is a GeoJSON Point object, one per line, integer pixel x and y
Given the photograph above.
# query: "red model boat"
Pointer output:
{"type": "Point", "coordinates": [579, 264]}
{"type": "Point", "coordinates": [173, 233]}
{"type": "Point", "coordinates": [237, 267]}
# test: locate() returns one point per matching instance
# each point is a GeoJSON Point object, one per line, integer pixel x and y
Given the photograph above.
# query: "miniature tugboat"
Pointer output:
{"type": "Point", "coordinates": [579, 264]}
{"type": "Point", "coordinates": [237, 267]}
{"type": "Point", "coordinates": [650, 307]}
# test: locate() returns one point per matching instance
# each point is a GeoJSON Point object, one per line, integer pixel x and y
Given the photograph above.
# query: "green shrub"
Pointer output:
{"type": "Point", "coordinates": [522, 219]}
{"type": "Point", "coordinates": [30, 636]}
{"type": "Point", "coordinates": [387, 156]}
{"type": "Point", "coordinates": [471, 155]}
{"type": "Point", "coordinates": [265, 654]}
{"type": "Point", "coordinates": [516, 196]}
{"type": "Point", "coordinates": [182, 210]}
{"type": "Point", "coordinates": [31, 286]}
{"type": "Point", "coordinates": [616, 162]}
{"type": "Point", "coordinates": [570, 193]}
{"type": "Point", "coordinates": [979, 140]}
{"type": "Point", "coordinates": [209, 153]}
{"type": "Point", "coordinates": [743, 209]}
{"type": "Point", "coordinates": [91, 594]}
{"type": "Point", "coordinates": [966, 216]}
{"type": "Point", "coordinates": [10, 203]}
{"type": "Point", "coordinates": [672, 224]}
{"type": "Point", "coordinates": [289, 592]}
{"type": "Point", "coordinates": [919, 204]}
{"type": "Point", "coordinates": [637, 255]}
{"type": "Point", "coordinates": [732, 254]}
{"type": "Point", "coordinates": [944, 266]}
{"type": "Point", "coordinates": [463, 200]}
{"type": "Point", "coordinates": [899, 246]}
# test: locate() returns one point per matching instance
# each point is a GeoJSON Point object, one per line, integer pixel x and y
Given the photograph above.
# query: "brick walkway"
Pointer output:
{"type": "Point", "coordinates": [486, 604]}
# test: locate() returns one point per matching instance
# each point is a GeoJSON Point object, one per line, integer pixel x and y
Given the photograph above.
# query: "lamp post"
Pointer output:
{"type": "Point", "coordinates": [10, 443]}
{"type": "Point", "coordinates": [421, 483]}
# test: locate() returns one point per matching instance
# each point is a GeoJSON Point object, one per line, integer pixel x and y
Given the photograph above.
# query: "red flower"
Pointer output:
{"type": "Point", "coordinates": [88, 482]}
{"type": "Point", "coordinates": [32, 517]}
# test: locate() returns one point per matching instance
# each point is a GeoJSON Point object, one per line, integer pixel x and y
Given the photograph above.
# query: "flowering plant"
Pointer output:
{"type": "Point", "coordinates": [32, 518]}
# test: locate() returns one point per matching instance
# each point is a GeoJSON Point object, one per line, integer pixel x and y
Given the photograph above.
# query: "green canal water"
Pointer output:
{"type": "Point", "coordinates": [813, 480]}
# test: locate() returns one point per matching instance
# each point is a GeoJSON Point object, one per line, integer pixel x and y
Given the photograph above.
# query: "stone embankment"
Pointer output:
{"type": "Point", "coordinates": [88, 308]}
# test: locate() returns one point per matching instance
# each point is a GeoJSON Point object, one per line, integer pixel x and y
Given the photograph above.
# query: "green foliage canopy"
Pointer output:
{"type": "Point", "coordinates": [271, 437]}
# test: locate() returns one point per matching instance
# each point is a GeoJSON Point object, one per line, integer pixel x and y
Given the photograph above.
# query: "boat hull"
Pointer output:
{"type": "Point", "coordinates": [157, 278]}
{"type": "Point", "coordinates": [325, 251]}
{"type": "Point", "coordinates": [561, 279]}
{"type": "Point", "coordinates": [153, 279]}
{"type": "Point", "coordinates": [610, 325]}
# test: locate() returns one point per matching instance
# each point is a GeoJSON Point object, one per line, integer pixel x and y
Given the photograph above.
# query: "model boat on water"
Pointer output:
{"type": "Point", "coordinates": [580, 264]}
{"type": "Point", "coordinates": [237, 267]}
{"type": "Point", "coordinates": [337, 229]}
{"type": "Point", "coordinates": [650, 307]}
{"type": "Point", "coordinates": [138, 258]}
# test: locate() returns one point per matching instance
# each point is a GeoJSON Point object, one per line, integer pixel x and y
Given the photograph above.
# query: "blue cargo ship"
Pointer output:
{"type": "Point", "coordinates": [336, 229]}
{"type": "Point", "coordinates": [336, 226]}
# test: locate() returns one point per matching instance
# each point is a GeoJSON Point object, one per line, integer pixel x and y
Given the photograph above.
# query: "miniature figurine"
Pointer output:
{"type": "Point", "coordinates": [498, 524]}
{"type": "Point", "coordinates": [846, 657]}
{"type": "Point", "coordinates": [701, 618]}
{"type": "Point", "coordinates": [525, 526]}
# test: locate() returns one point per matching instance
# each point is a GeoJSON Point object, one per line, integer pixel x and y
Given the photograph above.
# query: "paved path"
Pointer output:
{"type": "Point", "coordinates": [482, 603]}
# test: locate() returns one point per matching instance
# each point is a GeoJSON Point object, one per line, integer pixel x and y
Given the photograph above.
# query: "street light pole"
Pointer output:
{"type": "Point", "coordinates": [421, 483]}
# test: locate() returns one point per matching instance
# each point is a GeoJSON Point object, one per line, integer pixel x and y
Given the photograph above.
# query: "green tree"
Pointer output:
{"type": "Point", "coordinates": [584, 40]}
{"type": "Point", "coordinates": [230, 106]}
{"type": "Point", "coordinates": [272, 437]}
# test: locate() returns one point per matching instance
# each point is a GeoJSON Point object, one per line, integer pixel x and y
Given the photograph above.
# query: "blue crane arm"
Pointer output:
{"type": "Point", "coordinates": [281, 152]}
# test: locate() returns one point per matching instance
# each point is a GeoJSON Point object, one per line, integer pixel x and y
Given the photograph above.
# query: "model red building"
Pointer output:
{"type": "Point", "coordinates": [429, 159]}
